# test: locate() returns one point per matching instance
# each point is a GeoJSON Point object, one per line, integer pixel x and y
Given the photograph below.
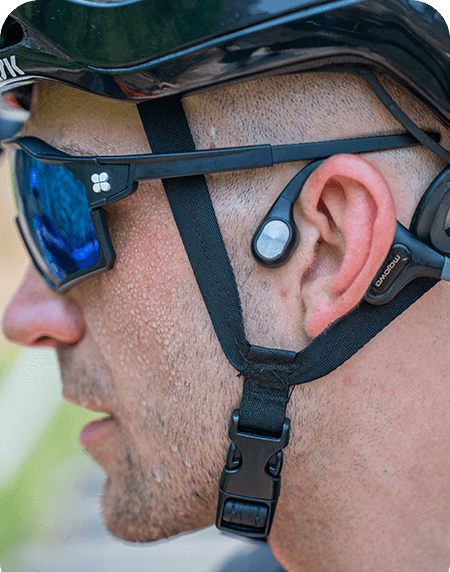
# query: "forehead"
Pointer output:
{"type": "Point", "coordinates": [80, 122]}
{"type": "Point", "coordinates": [275, 110]}
{"type": "Point", "coordinates": [285, 109]}
{"type": "Point", "coordinates": [77, 121]}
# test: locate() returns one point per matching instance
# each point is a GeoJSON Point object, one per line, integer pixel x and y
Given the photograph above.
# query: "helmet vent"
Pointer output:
{"type": "Point", "coordinates": [11, 34]}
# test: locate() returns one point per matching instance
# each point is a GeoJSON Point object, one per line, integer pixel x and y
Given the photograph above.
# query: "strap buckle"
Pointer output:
{"type": "Point", "coordinates": [250, 481]}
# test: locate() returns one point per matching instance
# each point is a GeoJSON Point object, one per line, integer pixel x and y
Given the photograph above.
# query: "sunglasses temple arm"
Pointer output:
{"type": "Point", "coordinates": [324, 149]}
{"type": "Point", "coordinates": [203, 162]}
{"type": "Point", "coordinates": [234, 159]}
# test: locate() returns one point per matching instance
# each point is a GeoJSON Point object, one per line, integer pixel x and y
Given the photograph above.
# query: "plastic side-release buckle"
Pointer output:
{"type": "Point", "coordinates": [250, 481]}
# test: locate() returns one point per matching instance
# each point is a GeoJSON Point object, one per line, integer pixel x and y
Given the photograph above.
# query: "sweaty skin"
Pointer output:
{"type": "Point", "coordinates": [124, 349]}
{"type": "Point", "coordinates": [366, 474]}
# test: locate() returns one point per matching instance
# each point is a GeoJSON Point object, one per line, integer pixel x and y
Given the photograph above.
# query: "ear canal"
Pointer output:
{"type": "Point", "coordinates": [277, 236]}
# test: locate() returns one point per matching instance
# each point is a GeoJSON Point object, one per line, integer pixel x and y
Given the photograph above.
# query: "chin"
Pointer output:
{"type": "Point", "coordinates": [139, 518]}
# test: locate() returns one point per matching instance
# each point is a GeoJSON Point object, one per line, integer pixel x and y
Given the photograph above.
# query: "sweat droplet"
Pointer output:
{"type": "Point", "coordinates": [174, 448]}
{"type": "Point", "coordinates": [157, 475]}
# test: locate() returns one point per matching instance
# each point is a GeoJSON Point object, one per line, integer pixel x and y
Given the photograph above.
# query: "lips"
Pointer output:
{"type": "Point", "coordinates": [94, 431]}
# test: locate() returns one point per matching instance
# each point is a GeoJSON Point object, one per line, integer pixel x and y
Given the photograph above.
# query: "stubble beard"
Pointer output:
{"type": "Point", "coordinates": [136, 505]}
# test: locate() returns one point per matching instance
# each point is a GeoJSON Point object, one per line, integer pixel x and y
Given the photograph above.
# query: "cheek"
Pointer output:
{"type": "Point", "coordinates": [150, 262]}
{"type": "Point", "coordinates": [137, 307]}
{"type": "Point", "coordinates": [149, 326]}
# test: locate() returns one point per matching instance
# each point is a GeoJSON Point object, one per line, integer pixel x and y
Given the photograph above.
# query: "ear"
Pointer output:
{"type": "Point", "coordinates": [349, 223]}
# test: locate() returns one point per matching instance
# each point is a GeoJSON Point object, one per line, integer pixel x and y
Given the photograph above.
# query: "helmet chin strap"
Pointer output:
{"type": "Point", "coordinates": [250, 482]}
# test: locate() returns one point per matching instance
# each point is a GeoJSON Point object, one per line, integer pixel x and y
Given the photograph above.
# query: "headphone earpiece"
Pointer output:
{"type": "Point", "coordinates": [415, 253]}
{"type": "Point", "coordinates": [277, 236]}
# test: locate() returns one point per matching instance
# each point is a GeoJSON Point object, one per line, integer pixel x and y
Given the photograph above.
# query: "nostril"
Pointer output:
{"type": "Point", "coordinates": [46, 341]}
{"type": "Point", "coordinates": [42, 340]}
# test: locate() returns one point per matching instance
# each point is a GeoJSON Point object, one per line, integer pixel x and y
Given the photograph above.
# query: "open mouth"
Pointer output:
{"type": "Point", "coordinates": [95, 430]}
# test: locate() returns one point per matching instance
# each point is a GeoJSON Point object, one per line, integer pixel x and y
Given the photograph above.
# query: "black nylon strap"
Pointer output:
{"type": "Point", "coordinates": [352, 332]}
{"type": "Point", "coordinates": [167, 130]}
{"type": "Point", "coordinates": [266, 390]}
{"type": "Point", "coordinates": [265, 393]}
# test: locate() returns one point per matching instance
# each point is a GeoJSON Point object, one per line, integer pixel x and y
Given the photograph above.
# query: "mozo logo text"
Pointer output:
{"type": "Point", "coordinates": [390, 267]}
{"type": "Point", "coordinates": [9, 66]}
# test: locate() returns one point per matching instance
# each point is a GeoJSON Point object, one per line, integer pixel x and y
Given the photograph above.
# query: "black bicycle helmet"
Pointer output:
{"type": "Point", "coordinates": [136, 49]}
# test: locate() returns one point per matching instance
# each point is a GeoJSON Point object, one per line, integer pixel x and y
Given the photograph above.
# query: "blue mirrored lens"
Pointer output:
{"type": "Point", "coordinates": [55, 210]}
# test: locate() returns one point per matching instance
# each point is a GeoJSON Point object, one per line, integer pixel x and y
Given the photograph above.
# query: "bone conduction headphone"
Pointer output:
{"type": "Point", "coordinates": [154, 55]}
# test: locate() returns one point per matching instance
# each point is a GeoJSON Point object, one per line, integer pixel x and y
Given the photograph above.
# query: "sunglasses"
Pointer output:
{"type": "Point", "coordinates": [59, 197]}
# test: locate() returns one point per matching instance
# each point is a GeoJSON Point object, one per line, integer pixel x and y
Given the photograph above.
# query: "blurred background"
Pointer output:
{"type": "Point", "coordinates": [49, 487]}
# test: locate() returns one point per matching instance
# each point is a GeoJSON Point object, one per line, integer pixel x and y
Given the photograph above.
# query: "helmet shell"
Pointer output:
{"type": "Point", "coordinates": [141, 49]}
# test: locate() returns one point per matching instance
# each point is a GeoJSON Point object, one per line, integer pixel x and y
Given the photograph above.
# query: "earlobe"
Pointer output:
{"type": "Point", "coordinates": [348, 208]}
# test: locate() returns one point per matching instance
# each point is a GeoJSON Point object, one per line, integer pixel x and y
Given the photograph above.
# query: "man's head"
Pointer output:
{"type": "Point", "coordinates": [367, 464]}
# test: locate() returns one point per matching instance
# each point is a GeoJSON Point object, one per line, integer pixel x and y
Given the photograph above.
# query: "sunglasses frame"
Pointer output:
{"type": "Point", "coordinates": [112, 178]}
{"type": "Point", "coordinates": [105, 262]}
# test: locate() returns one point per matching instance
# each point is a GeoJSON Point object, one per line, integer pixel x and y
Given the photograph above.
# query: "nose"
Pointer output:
{"type": "Point", "coordinates": [36, 316]}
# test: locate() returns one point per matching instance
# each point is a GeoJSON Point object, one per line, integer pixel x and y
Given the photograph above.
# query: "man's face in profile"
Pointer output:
{"type": "Point", "coordinates": [128, 339]}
